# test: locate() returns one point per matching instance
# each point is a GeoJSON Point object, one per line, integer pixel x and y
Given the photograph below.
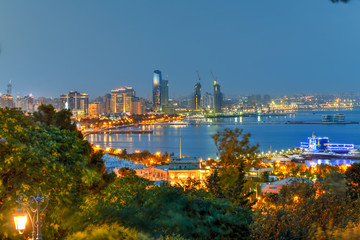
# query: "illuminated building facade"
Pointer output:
{"type": "Point", "coordinates": [183, 169]}
{"type": "Point", "coordinates": [156, 90]}
{"type": "Point", "coordinates": [158, 173]}
{"type": "Point", "coordinates": [138, 106]}
{"type": "Point", "coordinates": [77, 102]}
{"type": "Point", "coordinates": [217, 97]}
{"type": "Point", "coordinates": [25, 103]}
{"type": "Point", "coordinates": [121, 100]}
{"type": "Point", "coordinates": [164, 94]}
{"type": "Point", "coordinates": [197, 96]}
{"type": "Point", "coordinates": [6, 100]}
{"type": "Point", "coordinates": [95, 109]}
{"type": "Point", "coordinates": [208, 101]}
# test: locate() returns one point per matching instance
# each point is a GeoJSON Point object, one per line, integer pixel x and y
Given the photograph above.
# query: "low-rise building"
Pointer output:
{"type": "Point", "coordinates": [275, 187]}
{"type": "Point", "coordinates": [186, 168]}
{"type": "Point", "coordinates": [256, 172]}
{"type": "Point", "coordinates": [113, 164]}
{"type": "Point", "coordinates": [158, 173]}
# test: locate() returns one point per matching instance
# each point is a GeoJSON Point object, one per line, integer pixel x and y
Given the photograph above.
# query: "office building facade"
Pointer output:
{"type": "Point", "coordinates": [77, 103]}
{"type": "Point", "coordinates": [156, 90]}
{"type": "Point", "coordinates": [217, 98]}
{"type": "Point", "coordinates": [164, 94]}
{"type": "Point", "coordinates": [197, 96]}
{"type": "Point", "coordinates": [121, 100]}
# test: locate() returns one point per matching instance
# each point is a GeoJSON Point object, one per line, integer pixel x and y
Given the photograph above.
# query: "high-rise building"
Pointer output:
{"type": "Point", "coordinates": [254, 100]}
{"type": "Point", "coordinates": [95, 109]}
{"type": "Point", "coordinates": [156, 90]}
{"type": "Point", "coordinates": [25, 103]}
{"type": "Point", "coordinates": [164, 94]}
{"type": "Point", "coordinates": [197, 96]}
{"type": "Point", "coordinates": [138, 106]}
{"type": "Point", "coordinates": [208, 101]}
{"type": "Point", "coordinates": [6, 100]}
{"type": "Point", "coordinates": [266, 99]}
{"type": "Point", "coordinates": [217, 97]}
{"type": "Point", "coordinates": [106, 100]}
{"type": "Point", "coordinates": [121, 99]}
{"type": "Point", "coordinates": [77, 102]}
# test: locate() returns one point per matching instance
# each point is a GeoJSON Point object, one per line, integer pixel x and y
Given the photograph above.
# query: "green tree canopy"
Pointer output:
{"type": "Point", "coordinates": [164, 210]}
{"type": "Point", "coordinates": [235, 152]}
{"type": "Point", "coordinates": [56, 161]}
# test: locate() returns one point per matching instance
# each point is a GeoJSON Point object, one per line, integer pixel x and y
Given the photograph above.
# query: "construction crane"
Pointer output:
{"type": "Point", "coordinates": [214, 78]}
{"type": "Point", "coordinates": [198, 74]}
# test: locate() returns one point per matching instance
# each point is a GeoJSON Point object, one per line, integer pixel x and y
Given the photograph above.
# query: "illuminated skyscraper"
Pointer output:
{"type": "Point", "coordinates": [164, 94]}
{"type": "Point", "coordinates": [156, 90]}
{"type": "Point", "coordinates": [121, 100]}
{"type": "Point", "coordinates": [217, 97]}
{"type": "Point", "coordinates": [197, 96]}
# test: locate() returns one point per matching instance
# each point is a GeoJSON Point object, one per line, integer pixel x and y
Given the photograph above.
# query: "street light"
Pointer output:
{"type": "Point", "coordinates": [20, 217]}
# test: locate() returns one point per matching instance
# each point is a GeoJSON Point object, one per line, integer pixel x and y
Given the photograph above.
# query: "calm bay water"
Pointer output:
{"type": "Point", "coordinates": [196, 140]}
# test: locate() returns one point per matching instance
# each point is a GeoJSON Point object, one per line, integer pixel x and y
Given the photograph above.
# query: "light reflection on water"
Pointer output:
{"type": "Point", "coordinates": [333, 162]}
{"type": "Point", "coordinates": [196, 139]}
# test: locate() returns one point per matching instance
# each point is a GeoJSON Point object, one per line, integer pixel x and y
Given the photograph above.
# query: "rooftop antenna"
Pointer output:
{"type": "Point", "coordinates": [198, 74]}
{"type": "Point", "coordinates": [8, 90]}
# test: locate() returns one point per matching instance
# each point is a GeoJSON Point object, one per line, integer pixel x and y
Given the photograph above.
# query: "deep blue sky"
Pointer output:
{"type": "Point", "coordinates": [252, 46]}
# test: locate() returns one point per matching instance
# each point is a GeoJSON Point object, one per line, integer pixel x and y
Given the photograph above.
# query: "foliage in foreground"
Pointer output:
{"type": "Point", "coordinates": [108, 232]}
{"type": "Point", "coordinates": [306, 211]}
{"type": "Point", "coordinates": [166, 210]}
{"type": "Point", "coordinates": [56, 161]}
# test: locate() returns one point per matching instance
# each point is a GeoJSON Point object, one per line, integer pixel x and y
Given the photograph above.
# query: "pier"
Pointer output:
{"type": "Point", "coordinates": [117, 131]}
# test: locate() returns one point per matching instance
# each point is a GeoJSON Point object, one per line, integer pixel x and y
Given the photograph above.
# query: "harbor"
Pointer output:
{"type": "Point", "coordinates": [196, 138]}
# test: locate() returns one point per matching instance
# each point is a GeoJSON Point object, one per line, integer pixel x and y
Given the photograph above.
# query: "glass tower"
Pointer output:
{"type": "Point", "coordinates": [217, 98]}
{"type": "Point", "coordinates": [156, 90]}
{"type": "Point", "coordinates": [164, 94]}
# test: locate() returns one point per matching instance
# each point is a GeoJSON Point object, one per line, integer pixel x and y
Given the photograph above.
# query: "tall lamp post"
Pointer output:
{"type": "Point", "coordinates": [20, 217]}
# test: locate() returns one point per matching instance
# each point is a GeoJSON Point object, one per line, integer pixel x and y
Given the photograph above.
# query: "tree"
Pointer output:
{"type": "Point", "coordinates": [213, 184]}
{"type": "Point", "coordinates": [335, 183]}
{"type": "Point", "coordinates": [126, 172]}
{"type": "Point", "coordinates": [111, 232]}
{"type": "Point", "coordinates": [301, 211]}
{"type": "Point", "coordinates": [57, 162]}
{"type": "Point", "coordinates": [232, 151]}
{"type": "Point", "coordinates": [45, 114]}
{"type": "Point", "coordinates": [236, 158]}
{"type": "Point", "coordinates": [62, 119]}
{"type": "Point", "coordinates": [352, 175]}
{"type": "Point", "coordinates": [165, 210]}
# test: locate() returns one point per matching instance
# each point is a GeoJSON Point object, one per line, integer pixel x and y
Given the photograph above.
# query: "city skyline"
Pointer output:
{"type": "Point", "coordinates": [94, 47]}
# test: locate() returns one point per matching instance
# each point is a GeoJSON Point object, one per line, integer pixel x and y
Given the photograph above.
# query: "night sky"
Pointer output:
{"type": "Point", "coordinates": [276, 47]}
